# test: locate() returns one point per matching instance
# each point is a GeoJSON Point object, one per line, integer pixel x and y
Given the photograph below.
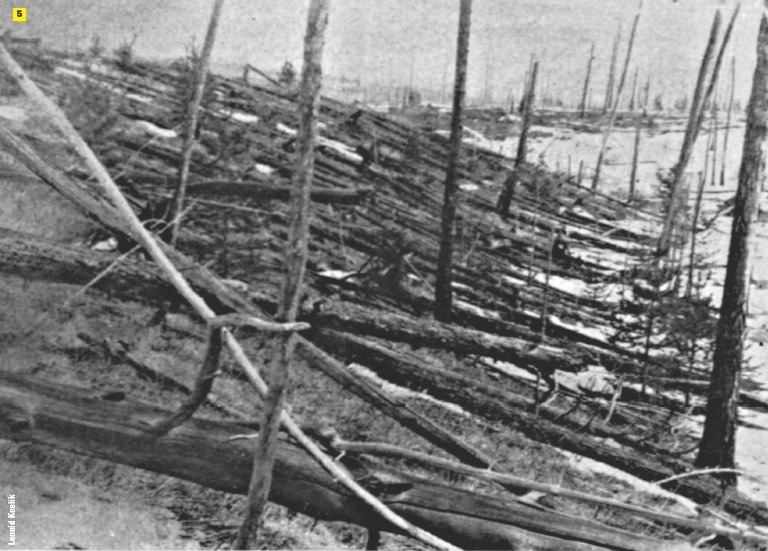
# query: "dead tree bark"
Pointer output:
{"type": "Point", "coordinates": [583, 104]}
{"type": "Point", "coordinates": [295, 268]}
{"type": "Point", "coordinates": [718, 441]}
{"type": "Point", "coordinates": [634, 91]}
{"type": "Point", "coordinates": [646, 95]}
{"type": "Point", "coordinates": [208, 453]}
{"type": "Point", "coordinates": [695, 121]}
{"type": "Point", "coordinates": [443, 290]}
{"type": "Point", "coordinates": [173, 216]}
{"type": "Point", "coordinates": [268, 192]}
{"type": "Point", "coordinates": [608, 103]}
{"type": "Point", "coordinates": [714, 139]}
{"type": "Point", "coordinates": [695, 220]}
{"type": "Point", "coordinates": [635, 161]}
{"type": "Point", "coordinates": [728, 122]}
{"type": "Point", "coordinates": [505, 197]}
{"type": "Point", "coordinates": [615, 108]}
{"type": "Point", "coordinates": [31, 257]}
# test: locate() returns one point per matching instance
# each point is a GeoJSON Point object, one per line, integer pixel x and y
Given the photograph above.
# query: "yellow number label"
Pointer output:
{"type": "Point", "coordinates": [19, 14]}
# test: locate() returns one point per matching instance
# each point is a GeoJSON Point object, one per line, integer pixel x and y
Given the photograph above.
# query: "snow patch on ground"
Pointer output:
{"type": "Point", "coordinates": [264, 169]}
{"type": "Point", "coordinates": [396, 391]}
{"type": "Point", "coordinates": [477, 310]}
{"type": "Point", "coordinates": [335, 274]}
{"type": "Point", "coordinates": [575, 287]}
{"type": "Point", "coordinates": [12, 113]}
{"type": "Point", "coordinates": [285, 129]}
{"type": "Point", "coordinates": [247, 118]}
{"type": "Point", "coordinates": [155, 131]}
{"type": "Point", "coordinates": [138, 97]}
{"type": "Point", "coordinates": [341, 149]}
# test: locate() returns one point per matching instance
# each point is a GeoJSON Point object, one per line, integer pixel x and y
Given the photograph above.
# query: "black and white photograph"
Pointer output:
{"type": "Point", "coordinates": [384, 275]}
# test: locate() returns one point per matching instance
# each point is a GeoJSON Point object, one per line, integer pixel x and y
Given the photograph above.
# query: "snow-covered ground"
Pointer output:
{"type": "Point", "coordinates": [659, 149]}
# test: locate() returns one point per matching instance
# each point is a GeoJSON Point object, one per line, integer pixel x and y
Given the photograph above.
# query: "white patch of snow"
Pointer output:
{"type": "Point", "coordinates": [513, 280]}
{"type": "Point", "coordinates": [12, 113]}
{"type": "Point", "coordinates": [247, 118]}
{"type": "Point", "coordinates": [575, 287]}
{"type": "Point", "coordinates": [335, 274]}
{"type": "Point", "coordinates": [477, 310]}
{"type": "Point", "coordinates": [285, 129]}
{"type": "Point", "coordinates": [107, 245]}
{"type": "Point", "coordinates": [342, 149]}
{"type": "Point", "coordinates": [598, 333]}
{"type": "Point", "coordinates": [264, 169]}
{"type": "Point", "coordinates": [70, 72]}
{"type": "Point", "coordinates": [138, 97]}
{"type": "Point", "coordinates": [468, 186]}
{"type": "Point", "coordinates": [236, 284]}
{"type": "Point", "coordinates": [400, 392]}
{"type": "Point", "coordinates": [155, 131]}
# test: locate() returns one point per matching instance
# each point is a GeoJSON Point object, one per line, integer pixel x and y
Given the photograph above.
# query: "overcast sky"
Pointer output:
{"type": "Point", "coordinates": [400, 41]}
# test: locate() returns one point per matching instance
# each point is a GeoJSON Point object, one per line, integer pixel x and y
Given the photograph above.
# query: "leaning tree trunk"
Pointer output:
{"type": "Point", "coordinates": [505, 197]}
{"type": "Point", "coordinates": [583, 103]}
{"type": "Point", "coordinates": [615, 108]}
{"type": "Point", "coordinates": [295, 267]}
{"type": "Point", "coordinates": [173, 216]}
{"type": "Point", "coordinates": [443, 291]}
{"type": "Point", "coordinates": [718, 442]}
{"type": "Point", "coordinates": [695, 122]}
{"type": "Point", "coordinates": [608, 103]}
{"type": "Point", "coordinates": [728, 121]}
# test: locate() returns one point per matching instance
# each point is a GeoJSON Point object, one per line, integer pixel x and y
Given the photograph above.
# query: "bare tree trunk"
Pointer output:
{"type": "Point", "coordinates": [615, 108]}
{"type": "Point", "coordinates": [608, 104]}
{"type": "Point", "coordinates": [173, 216]}
{"type": "Point", "coordinates": [728, 121]}
{"type": "Point", "coordinates": [714, 140]}
{"type": "Point", "coordinates": [583, 104]}
{"type": "Point", "coordinates": [295, 266]}
{"type": "Point", "coordinates": [695, 121]}
{"type": "Point", "coordinates": [505, 197]}
{"type": "Point", "coordinates": [635, 161]}
{"type": "Point", "coordinates": [443, 291]}
{"type": "Point", "coordinates": [646, 95]}
{"type": "Point", "coordinates": [696, 213]}
{"type": "Point", "coordinates": [634, 91]}
{"type": "Point", "coordinates": [718, 441]}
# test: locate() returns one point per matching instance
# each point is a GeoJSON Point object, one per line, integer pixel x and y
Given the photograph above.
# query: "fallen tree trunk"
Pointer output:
{"type": "Point", "coordinates": [204, 452]}
{"type": "Point", "coordinates": [40, 259]}
{"type": "Point", "coordinates": [263, 192]}
{"type": "Point", "coordinates": [427, 333]}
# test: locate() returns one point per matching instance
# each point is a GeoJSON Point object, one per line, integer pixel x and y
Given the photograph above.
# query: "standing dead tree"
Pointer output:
{"type": "Point", "coordinates": [295, 268]}
{"type": "Point", "coordinates": [633, 96]}
{"type": "Point", "coordinates": [443, 291]}
{"type": "Point", "coordinates": [728, 122]}
{"type": "Point", "coordinates": [695, 121]}
{"type": "Point", "coordinates": [718, 442]}
{"type": "Point", "coordinates": [505, 197]}
{"type": "Point", "coordinates": [635, 161]}
{"type": "Point", "coordinates": [615, 108]}
{"type": "Point", "coordinates": [583, 104]}
{"type": "Point", "coordinates": [108, 206]}
{"type": "Point", "coordinates": [612, 73]}
{"type": "Point", "coordinates": [173, 216]}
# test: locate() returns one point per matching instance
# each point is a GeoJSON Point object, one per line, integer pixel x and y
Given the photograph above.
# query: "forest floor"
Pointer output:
{"type": "Point", "coordinates": [79, 502]}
